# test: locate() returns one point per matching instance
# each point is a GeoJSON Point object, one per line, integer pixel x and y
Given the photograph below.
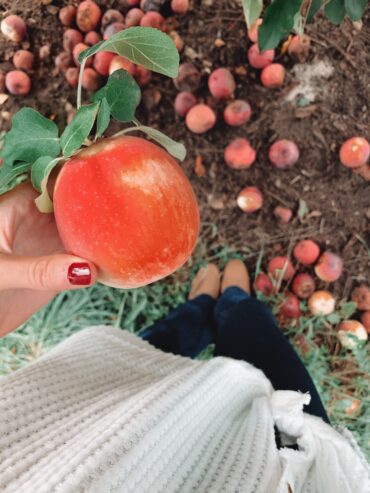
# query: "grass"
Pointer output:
{"type": "Point", "coordinates": [342, 377]}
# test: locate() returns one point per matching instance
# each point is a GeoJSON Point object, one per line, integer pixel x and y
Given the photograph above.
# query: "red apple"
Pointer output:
{"type": "Point", "coordinates": [137, 219]}
{"type": "Point", "coordinates": [263, 284]}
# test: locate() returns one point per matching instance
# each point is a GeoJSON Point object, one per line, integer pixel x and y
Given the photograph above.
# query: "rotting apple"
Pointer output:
{"type": "Point", "coordinates": [126, 205]}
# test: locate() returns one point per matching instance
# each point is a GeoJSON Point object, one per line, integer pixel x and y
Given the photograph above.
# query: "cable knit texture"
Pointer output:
{"type": "Point", "coordinates": [105, 412]}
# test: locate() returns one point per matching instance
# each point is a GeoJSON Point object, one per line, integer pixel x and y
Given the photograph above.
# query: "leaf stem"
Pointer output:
{"type": "Point", "coordinates": [79, 87]}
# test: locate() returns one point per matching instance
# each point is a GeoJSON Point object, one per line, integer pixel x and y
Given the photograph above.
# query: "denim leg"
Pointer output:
{"type": "Point", "coordinates": [247, 330]}
{"type": "Point", "coordinates": [187, 330]}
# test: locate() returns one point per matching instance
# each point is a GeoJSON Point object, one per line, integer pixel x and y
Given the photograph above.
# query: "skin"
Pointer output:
{"type": "Point", "coordinates": [33, 261]}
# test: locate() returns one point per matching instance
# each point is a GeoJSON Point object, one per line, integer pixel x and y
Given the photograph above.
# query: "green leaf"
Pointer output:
{"type": "Point", "coordinates": [79, 129]}
{"type": "Point", "coordinates": [314, 8]}
{"type": "Point", "coordinates": [122, 94]}
{"type": "Point", "coordinates": [355, 8]}
{"type": "Point", "coordinates": [335, 11]}
{"type": "Point", "coordinates": [31, 136]}
{"type": "Point", "coordinates": [103, 118]}
{"type": "Point", "coordinates": [333, 318]}
{"type": "Point", "coordinates": [11, 176]}
{"type": "Point", "coordinates": [348, 309]}
{"type": "Point", "coordinates": [303, 209]}
{"type": "Point", "coordinates": [145, 46]}
{"type": "Point", "coordinates": [252, 10]}
{"type": "Point", "coordinates": [298, 24]}
{"type": "Point", "coordinates": [174, 148]}
{"type": "Point", "coordinates": [40, 172]}
{"type": "Point", "coordinates": [277, 23]}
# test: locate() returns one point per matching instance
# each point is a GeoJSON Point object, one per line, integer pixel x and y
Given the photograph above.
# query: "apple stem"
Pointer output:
{"type": "Point", "coordinates": [79, 87]}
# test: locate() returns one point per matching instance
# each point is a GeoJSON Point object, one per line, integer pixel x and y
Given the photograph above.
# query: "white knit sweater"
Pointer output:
{"type": "Point", "coordinates": [106, 412]}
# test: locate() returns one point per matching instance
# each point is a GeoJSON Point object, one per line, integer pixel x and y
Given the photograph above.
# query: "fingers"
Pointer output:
{"type": "Point", "coordinates": [47, 273]}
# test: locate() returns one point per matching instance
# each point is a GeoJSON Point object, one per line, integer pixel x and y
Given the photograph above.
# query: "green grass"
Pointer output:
{"type": "Point", "coordinates": [342, 377]}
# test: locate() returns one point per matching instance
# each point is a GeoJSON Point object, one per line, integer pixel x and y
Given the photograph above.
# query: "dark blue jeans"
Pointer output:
{"type": "Point", "coordinates": [241, 327]}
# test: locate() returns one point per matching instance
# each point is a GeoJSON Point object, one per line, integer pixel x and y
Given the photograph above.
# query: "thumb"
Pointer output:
{"type": "Point", "coordinates": [47, 273]}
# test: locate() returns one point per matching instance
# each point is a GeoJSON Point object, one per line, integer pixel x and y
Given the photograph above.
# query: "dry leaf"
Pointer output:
{"type": "Point", "coordinates": [3, 98]}
{"type": "Point", "coordinates": [216, 204]}
{"type": "Point", "coordinates": [305, 111]}
{"type": "Point", "coordinates": [219, 43]}
{"type": "Point", "coordinates": [286, 44]}
{"type": "Point", "coordinates": [199, 169]}
{"type": "Point", "coordinates": [240, 70]}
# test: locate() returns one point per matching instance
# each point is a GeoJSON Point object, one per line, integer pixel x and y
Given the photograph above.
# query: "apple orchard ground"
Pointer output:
{"type": "Point", "coordinates": [331, 204]}
{"type": "Point", "coordinates": [338, 201]}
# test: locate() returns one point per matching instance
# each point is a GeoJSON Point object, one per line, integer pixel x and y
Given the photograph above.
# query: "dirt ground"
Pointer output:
{"type": "Point", "coordinates": [337, 201]}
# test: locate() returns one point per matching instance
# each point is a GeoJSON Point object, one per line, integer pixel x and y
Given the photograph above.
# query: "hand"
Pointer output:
{"type": "Point", "coordinates": [34, 266]}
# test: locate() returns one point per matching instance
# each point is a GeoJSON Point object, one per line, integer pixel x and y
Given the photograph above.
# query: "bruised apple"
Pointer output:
{"type": "Point", "coordinates": [126, 205]}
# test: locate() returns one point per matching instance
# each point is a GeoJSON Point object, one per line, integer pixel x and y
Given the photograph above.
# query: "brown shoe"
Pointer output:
{"type": "Point", "coordinates": [236, 274]}
{"type": "Point", "coordinates": [206, 281]}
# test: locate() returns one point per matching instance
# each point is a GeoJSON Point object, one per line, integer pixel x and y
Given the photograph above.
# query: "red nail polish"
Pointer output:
{"type": "Point", "coordinates": [79, 274]}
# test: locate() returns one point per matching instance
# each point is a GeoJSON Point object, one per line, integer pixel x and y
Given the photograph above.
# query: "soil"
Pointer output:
{"type": "Point", "coordinates": [334, 203]}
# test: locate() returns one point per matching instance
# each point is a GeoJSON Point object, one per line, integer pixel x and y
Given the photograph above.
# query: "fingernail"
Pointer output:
{"type": "Point", "coordinates": [79, 274]}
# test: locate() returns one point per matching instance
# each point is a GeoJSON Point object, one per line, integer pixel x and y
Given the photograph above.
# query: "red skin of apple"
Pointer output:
{"type": "Point", "coordinates": [67, 15]}
{"type": "Point", "coordinates": [303, 286]}
{"type": "Point", "coordinates": [142, 75]}
{"type": "Point", "coordinates": [18, 83]}
{"type": "Point", "coordinates": [365, 320]}
{"type": "Point", "coordinates": [63, 60]}
{"type": "Point", "coordinates": [177, 39]}
{"type": "Point", "coordinates": [279, 264]}
{"type": "Point", "coordinates": [102, 62]}
{"type": "Point", "coordinates": [239, 154]}
{"type": "Point", "coordinates": [283, 214]}
{"type": "Point", "coordinates": [91, 80]}
{"type": "Point", "coordinates": [221, 83]}
{"type": "Point", "coordinates": [260, 60]}
{"type": "Point", "coordinates": [88, 16]}
{"type": "Point", "coordinates": [299, 48]}
{"type": "Point", "coordinates": [290, 307]}
{"type": "Point", "coordinates": [184, 102]}
{"type": "Point", "coordinates": [92, 38]}
{"type": "Point", "coordinates": [263, 284]}
{"type": "Point", "coordinates": [152, 19]}
{"type": "Point", "coordinates": [112, 29]}
{"type": "Point", "coordinates": [200, 118]}
{"type": "Point", "coordinates": [71, 38]}
{"type": "Point", "coordinates": [14, 28]}
{"type": "Point", "coordinates": [188, 78]}
{"type": "Point", "coordinates": [361, 296]}
{"type": "Point", "coordinates": [283, 154]}
{"type": "Point", "coordinates": [306, 252]}
{"type": "Point", "coordinates": [180, 6]}
{"type": "Point", "coordinates": [355, 152]}
{"type": "Point", "coordinates": [250, 199]}
{"type": "Point", "coordinates": [133, 17]}
{"type": "Point", "coordinates": [79, 48]}
{"type": "Point", "coordinates": [137, 219]}
{"type": "Point", "coordinates": [71, 76]}
{"type": "Point", "coordinates": [23, 60]}
{"type": "Point", "coordinates": [237, 113]}
{"type": "Point", "coordinates": [329, 267]}
{"type": "Point", "coordinates": [273, 75]}
{"type": "Point", "coordinates": [253, 31]}
{"type": "Point", "coordinates": [118, 63]}
{"type": "Point", "coordinates": [132, 3]}
{"type": "Point", "coordinates": [111, 16]}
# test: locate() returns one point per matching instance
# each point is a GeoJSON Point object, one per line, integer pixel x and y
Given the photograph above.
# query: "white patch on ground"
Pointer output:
{"type": "Point", "coordinates": [311, 78]}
